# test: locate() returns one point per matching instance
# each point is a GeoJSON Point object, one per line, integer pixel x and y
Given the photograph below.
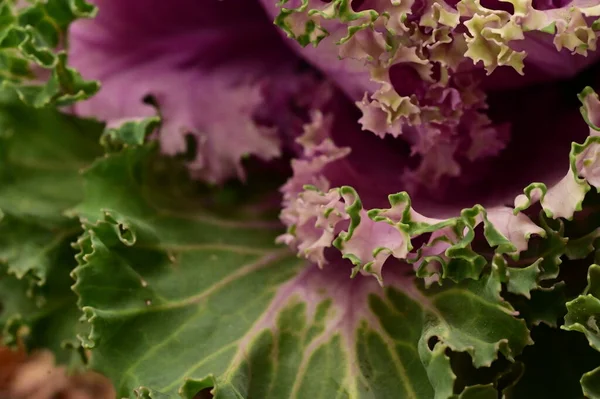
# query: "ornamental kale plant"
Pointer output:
{"type": "Point", "coordinates": [306, 198]}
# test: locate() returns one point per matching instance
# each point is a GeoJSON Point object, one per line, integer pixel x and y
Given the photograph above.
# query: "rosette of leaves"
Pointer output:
{"type": "Point", "coordinates": [441, 209]}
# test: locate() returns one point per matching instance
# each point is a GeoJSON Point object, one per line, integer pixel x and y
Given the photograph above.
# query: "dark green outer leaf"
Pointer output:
{"type": "Point", "coordinates": [41, 153]}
